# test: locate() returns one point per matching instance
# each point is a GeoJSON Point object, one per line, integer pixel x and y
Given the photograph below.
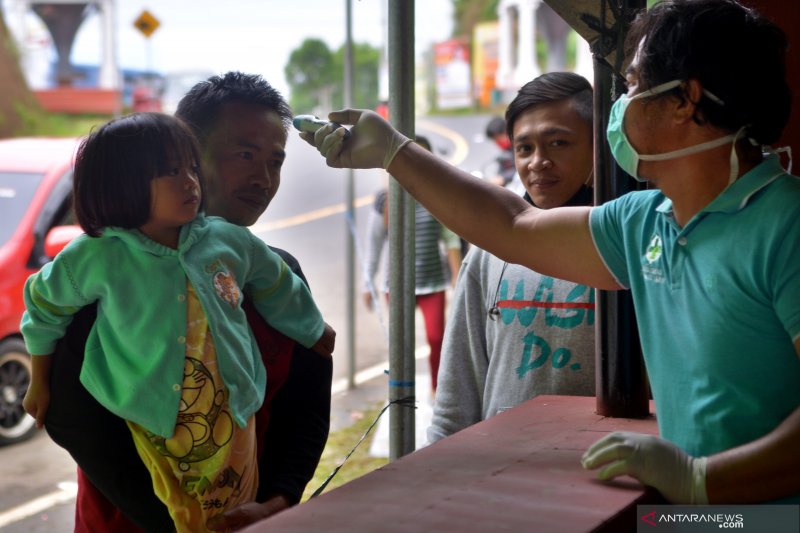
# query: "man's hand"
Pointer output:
{"type": "Point", "coordinates": [247, 513]}
{"type": "Point", "coordinates": [372, 143]}
{"type": "Point", "coordinates": [655, 462]}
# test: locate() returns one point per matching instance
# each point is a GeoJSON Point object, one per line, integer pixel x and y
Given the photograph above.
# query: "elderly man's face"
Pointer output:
{"type": "Point", "coordinates": [242, 162]}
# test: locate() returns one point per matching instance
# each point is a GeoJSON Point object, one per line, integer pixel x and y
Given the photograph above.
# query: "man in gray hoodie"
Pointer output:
{"type": "Point", "coordinates": [514, 333]}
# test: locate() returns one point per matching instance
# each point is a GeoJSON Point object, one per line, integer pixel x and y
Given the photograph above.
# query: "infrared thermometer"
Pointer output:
{"type": "Point", "coordinates": [310, 124]}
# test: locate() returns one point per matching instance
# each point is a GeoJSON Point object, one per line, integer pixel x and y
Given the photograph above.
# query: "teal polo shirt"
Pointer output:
{"type": "Point", "coordinates": [717, 302]}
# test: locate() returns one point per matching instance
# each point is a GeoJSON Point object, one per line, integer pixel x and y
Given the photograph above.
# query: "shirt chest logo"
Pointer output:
{"type": "Point", "coordinates": [654, 249]}
{"type": "Point", "coordinates": [651, 271]}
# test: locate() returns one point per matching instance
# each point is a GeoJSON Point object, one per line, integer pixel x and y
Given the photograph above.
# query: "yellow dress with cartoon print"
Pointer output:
{"type": "Point", "coordinates": [209, 464]}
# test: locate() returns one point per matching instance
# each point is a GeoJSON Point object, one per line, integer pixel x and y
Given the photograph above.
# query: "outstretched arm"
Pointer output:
{"type": "Point", "coordinates": [501, 222]}
{"type": "Point", "coordinates": [488, 216]}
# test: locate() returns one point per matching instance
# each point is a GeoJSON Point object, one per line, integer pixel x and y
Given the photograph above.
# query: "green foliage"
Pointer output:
{"type": "Point", "coordinates": [542, 51]}
{"type": "Point", "coordinates": [467, 13]}
{"type": "Point", "coordinates": [33, 122]}
{"type": "Point", "coordinates": [316, 76]}
{"type": "Point", "coordinates": [28, 118]}
{"type": "Point", "coordinates": [62, 125]}
{"type": "Point", "coordinates": [366, 61]}
{"type": "Point", "coordinates": [310, 72]}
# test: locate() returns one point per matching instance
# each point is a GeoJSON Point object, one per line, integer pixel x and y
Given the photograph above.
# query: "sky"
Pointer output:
{"type": "Point", "coordinates": [255, 36]}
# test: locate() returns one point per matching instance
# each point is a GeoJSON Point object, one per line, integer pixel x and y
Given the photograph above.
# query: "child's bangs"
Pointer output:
{"type": "Point", "coordinates": [179, 147]}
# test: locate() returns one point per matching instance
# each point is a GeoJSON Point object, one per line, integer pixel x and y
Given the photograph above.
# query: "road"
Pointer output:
{"type": "Point", "coordinates": [37, 485]}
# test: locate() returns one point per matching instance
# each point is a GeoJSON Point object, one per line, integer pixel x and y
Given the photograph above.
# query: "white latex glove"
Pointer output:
{"type": "Point", "coordinates": [373, 142]}
{"type": "Point", "coordinates": [655, 462]}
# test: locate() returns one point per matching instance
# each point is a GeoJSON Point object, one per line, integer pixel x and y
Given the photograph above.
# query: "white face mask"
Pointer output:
{"type": "Point", "coordinates": [628, 158]}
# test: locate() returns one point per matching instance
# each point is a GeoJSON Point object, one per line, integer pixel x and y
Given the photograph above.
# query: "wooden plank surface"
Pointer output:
{"type": "Point", "coordinates": [518, 471]}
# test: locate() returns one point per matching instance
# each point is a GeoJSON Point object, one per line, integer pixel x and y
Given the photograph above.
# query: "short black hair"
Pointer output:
{"type": "Point", "coordinates": [115, 164]}
{"type": "Point", "coordinates": [733, 51]}
{"type": "Point", "coordinates": [200, 107]}
{"type": "Point", "coordinates": [552, 87]}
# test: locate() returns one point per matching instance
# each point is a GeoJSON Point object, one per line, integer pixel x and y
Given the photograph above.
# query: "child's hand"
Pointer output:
{"type": "Point", "coordinates": [36, 402]}
{"type": "Point", "coordinates": [326, 342]}
{"type": "Point", "coordinates": [37, 399]}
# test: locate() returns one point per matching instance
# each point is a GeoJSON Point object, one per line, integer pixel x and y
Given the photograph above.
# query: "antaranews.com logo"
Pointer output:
{"type": "Point", "coordinates": [708, 518]}
{"type": "Point", "coordinates": [727, 521]}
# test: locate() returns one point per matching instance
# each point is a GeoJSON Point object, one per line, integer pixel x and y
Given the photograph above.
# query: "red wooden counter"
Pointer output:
{"type": "Point", "coordinates": [518, 471]}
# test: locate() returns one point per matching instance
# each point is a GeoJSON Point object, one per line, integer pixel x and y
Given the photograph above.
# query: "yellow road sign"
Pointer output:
{"type": "Point", "coordinates": [146, 23]}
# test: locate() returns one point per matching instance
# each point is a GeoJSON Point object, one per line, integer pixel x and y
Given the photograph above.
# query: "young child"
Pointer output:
{"type": "Point", "coordinates": [171, 351]}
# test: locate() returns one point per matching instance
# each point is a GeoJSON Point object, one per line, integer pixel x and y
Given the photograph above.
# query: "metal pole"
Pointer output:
{"type": "Point", "coordinates": [401, 237]}
{"type": "Point", "coordinates": [350, 221]}
{"type": "Point", "coordinates": [621, 379]}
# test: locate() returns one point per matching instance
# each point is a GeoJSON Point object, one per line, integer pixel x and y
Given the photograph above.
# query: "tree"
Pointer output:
{"type": "Point", "coordinates": [17, 103]}
{"type": "Point", "coordinates": [365, 73]}
{"type": "Point", "coordinates": [467, 13]}
{"type": "Point", "coordinates": [310, 74]}
{"type": "Point", "coordinates": [316, 77]}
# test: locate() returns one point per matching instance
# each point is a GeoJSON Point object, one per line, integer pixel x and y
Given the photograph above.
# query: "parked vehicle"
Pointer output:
{"type": "Point", "coordinates": [35, 213]}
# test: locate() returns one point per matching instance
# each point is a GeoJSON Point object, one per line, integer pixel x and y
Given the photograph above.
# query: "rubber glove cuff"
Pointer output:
{"type": "Point", "coordinates": [395, 143]}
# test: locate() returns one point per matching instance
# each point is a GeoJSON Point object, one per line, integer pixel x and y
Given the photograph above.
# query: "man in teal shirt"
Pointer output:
{"type": "Point", "coordinates": [711, 257]}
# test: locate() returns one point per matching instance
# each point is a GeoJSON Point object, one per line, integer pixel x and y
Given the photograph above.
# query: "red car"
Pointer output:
{"type": "Point", "coordinates": [35, 213]}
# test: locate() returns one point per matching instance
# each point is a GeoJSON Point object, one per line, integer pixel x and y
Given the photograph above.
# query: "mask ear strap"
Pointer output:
{"type": "Point", "coordinates": [734, 158]}
{"type": "Point", "coordinates": [785, 149]}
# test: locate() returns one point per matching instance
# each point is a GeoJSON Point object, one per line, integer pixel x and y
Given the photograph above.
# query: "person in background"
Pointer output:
{"type": "Point", "coordinates": [241, 122]}
{"type": "Point", "coordinates": [513, 333]}
{"type": "Point", "coordinates": [437, 259]}
{"type": "Point", "coordinates": [383, 109]}
{"type": "Point", "coordinates": [708, 253]}
{"type": "Point", "coordinates": [497, 131]}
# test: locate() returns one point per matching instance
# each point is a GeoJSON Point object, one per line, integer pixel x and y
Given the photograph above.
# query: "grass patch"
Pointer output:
{"type": "Point", "coordinates": [36, 123]}
{"type": "Point", "coordinates": [339, 445]}
{"type": "Point", "coordinates": [63, 125]}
